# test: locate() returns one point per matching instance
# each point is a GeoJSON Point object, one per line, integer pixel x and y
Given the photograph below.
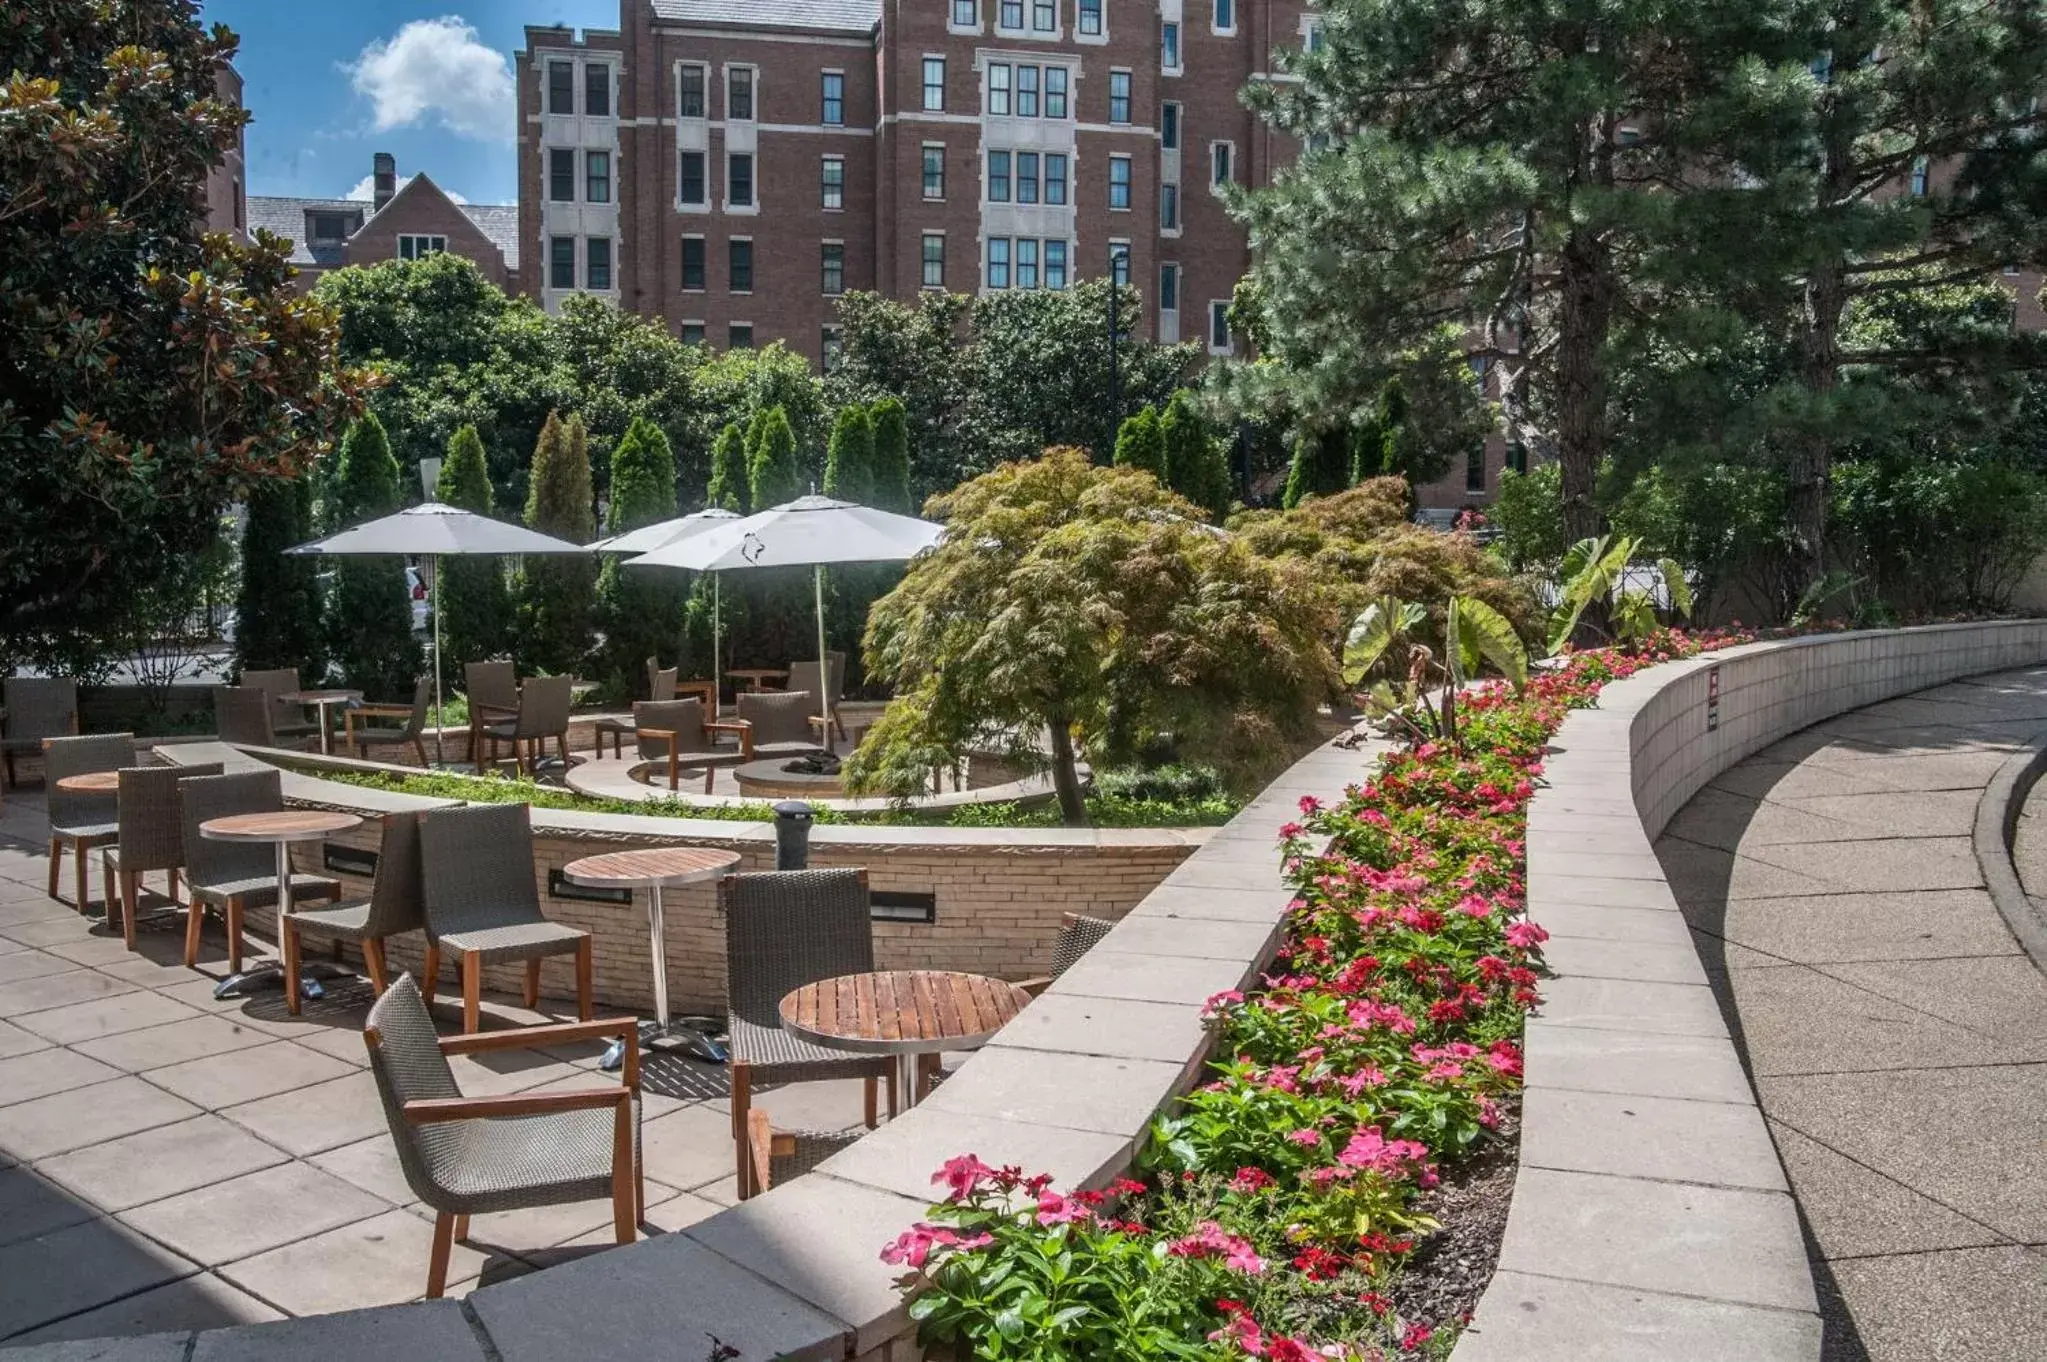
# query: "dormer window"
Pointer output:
{"type": "Point", "coordinates": [331, 229]}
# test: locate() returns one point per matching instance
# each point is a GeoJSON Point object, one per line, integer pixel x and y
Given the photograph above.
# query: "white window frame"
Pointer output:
{"type": "Point", "coordinates": [1229, 345]}
{"type": "Point", "coordinates": [683, 205]}
{"type": "Point", "coordinates": [1065, 263]}
{"type": "Point", "coordinates": [679, 266]}
{"type": "Point", "coordinates": [1097, 39]}
{"type": "Point", "coordinates": [924, 82]}
{"type": "Point", "coordinates": [1179, 65]}
{"type": "Point", "coordinates": [430, 238]}
{"type": "Point", "coordinates": [1069, 74]}
{"type": "Point", "coordinates": [923, 261]}
{"type": "Point", "coordinates": [1230, 153]}
{"type": "Point", "coordinates": [952, 24]}
{"type": "Point", "coordinates": [1217, 29]}
{"type": "Point", "coordinates": [753, 114]}
{"type": "Point", "coordinates": [1178, 124]}
{"type": "Point", "coordinates": [610, 263]}
{"type": "Point", "coordinates": [753, 266]}
{"type": "Point", "coordinates": [924, 149]}
{"type": "Point", "coordinates": [1008, 264]}
{"type": "Point", "coordinates": [822, 164]}
{"type": "Point", "coordinates": [1016, 261]}
{"type": "Point", "coordinates": [1171, 267]}
{"type": "Point", "coordinates": [753, 183]}
{"type": "Point", "coordinates": [1129, 184]}
{"type": "Point", "coordinates": [1129, 97]}
{"type": "Point", "coordinates": [1022, 27]}
{"type": "Point", "coordinates": [1043, 34]}
{"type": "Point", "coordinates": [705, 70]}
{"type": "Point", "coordinates": [1065, 180]}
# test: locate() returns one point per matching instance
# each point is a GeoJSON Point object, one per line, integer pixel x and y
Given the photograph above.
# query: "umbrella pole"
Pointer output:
{"type": "Point", "coordinates": [433, 586]}
{"type": "Point", "coordinates": [717, 626]}
{"type": "Point", "coordinates": [824, 671]}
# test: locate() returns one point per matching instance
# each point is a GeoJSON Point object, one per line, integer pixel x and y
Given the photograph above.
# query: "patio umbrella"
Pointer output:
{"type": "Point", "coordinates": [813, 532]}
{"type": "Point", "coordinates": [659, 536]}
{"type": "Point", "coordinates": [434, 531]}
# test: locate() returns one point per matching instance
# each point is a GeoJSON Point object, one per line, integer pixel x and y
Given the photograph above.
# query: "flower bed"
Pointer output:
{"type": "Point", "coordinates": [1282, 1202]}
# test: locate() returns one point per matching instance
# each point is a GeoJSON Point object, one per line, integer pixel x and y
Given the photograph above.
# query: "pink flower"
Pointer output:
{"type": "Point", "coordinates": [1054, 1209]}
{"type": "Point", "coordinates": [1306, 1136]}
{"type": "Point", "coordinates": [963, 1176]}
{"type": "Point", "coordinates": [1250, 1180]}
{"type": "Point", "coordinates": [1526, 935]}
{"type": "Point", "coordinates": [1416, 1335]}
{"type": "Point", "coordinates": [1472, 905]}
{"type": "Point", "coordinates": [1210, 1240]}
{"type": "Point", "coordinates": [1218, 1001]}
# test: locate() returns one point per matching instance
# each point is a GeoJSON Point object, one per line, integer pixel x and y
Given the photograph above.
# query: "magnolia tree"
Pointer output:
{"type": "Point", "coordinates": [1074, 611]}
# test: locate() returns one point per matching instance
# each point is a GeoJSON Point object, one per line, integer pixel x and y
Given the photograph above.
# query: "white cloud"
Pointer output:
{"type": "Point", "coordinates": [438, 68]}
{"type": "Point", "coordinates": [365, 189]}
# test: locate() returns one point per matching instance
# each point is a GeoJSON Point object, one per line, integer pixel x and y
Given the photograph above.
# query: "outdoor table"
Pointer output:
{"type": "Point", "coordinates": [902, 1013]}
{"type": "Point", "coordinates": [281, 828]}
{"type": "Point", "coordinates": [322, 700]}
{"type": "Point", "coordinates": [754, 676]}
{"type": "Point", "coordinates": [91, 782]}
{"type": "Point", "coordinates": [707, 691]}
{"type": "Point", "coordinates": [657, 868]}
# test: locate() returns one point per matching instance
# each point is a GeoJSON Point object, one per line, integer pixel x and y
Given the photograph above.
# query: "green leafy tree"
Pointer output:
{"type": "Point", "coordinates": [891, 456]}
{"type": "Point", "coordinates": [476, 601]}
{"type": "Point", "coordinates": [1074, 610]}
{"type": "Point", "coordinates": [557, 598]}
{"type": "Point", "coordinates": [1321, 466]}
{"type": "Point", "coordinates": [369, 611]}
{"type": "Point", "coordinates": [153, 373]}
{"type": "Point", "coordinates": [277, 609]}
{"type": "Point", "coordinates": [1197, 467]}
{"type": "Point", "coordinates": [849, 461]}
{"type": "Point", "coordinates": [915, 354]}
{"type": "Point", "coordinates": [640, 610]}
{"type": "Point", "coordinates": [1141, 444]}
{"type": "Point", "coordinates": [727, 489]}
{"type": "Point", "coordinates": [773, 475]}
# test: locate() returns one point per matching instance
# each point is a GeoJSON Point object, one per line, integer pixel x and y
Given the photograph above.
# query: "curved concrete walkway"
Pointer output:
{"type": "Point", "coordinates": [1895, 1033]}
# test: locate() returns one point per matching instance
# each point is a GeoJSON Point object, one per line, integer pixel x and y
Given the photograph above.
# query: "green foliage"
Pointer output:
{"type": "Point", "coordinates": [1529, 514]}
{"type": "Point", "coordinates": [153, 374]}
{"type": "Point", "coordinates": [640, 610]}
{"type": "Point", "coordinates": [891, 456]}
{"type": "Point", "coordinates": [1321, 466]}
{"type": "Point", "coordinates": [475, 599]}
{"type": "Point", "coordinates": [1593, 574]}
{"type": "Point", "coordinates": [742, 386]}
{"type": "Point", "coordinates": [1933, 536]}
{"type": "Point", "coordinates": [369, 611]}
{"type": "Point", "coordinates": [557, 593]}
{"type": "Point", "coordinates": [1141, 444]}
{"type": "Point", "coordinates": [773, 475]}
{"type": "Point", "coordinates": [1197, 466]}
{"type": "Point", "coordinates": [1373, 634]}
{"type": "Point", "coordinates": [277, 612]}
{"type": "Point", "coordinates": [849, 470]}
{"type": "Point", "coordinates": [727, 488]}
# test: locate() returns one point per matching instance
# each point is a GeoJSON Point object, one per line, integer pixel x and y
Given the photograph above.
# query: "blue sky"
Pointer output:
{"type": "Point", "coordinates": [329, 84]}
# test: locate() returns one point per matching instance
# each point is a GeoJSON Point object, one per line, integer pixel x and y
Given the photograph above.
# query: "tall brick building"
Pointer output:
{"type": "Point", "coordinates": [732, 165]}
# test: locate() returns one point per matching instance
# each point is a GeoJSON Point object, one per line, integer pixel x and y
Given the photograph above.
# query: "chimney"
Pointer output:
{"type": "Point", "coordinates": [385, 168]}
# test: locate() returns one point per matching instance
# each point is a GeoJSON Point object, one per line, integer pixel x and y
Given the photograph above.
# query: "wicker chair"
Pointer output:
{"type": "Point", "coordinates": [482, 905]}
{"type": "Point", "coordinates": [244, 717]}
{"type": "Point", "coordinates": [661, 680]}
{"type": "Point", "coordinates": [778, 1155]}
{"type": "Point", "coordinates": [232, 876]}
{"type": "Point", "coordinates": [151, 837]}
{"type": "Point", "coordinates": [803, 676]}
{"type": "Point", "coordinates": [287, 720]}
{"type": "Point", "coordinates": [35, 708]}
{"type": "Point", "coordinates": [544, 705]}
{"type": "Point", "coordinates": [467, 1156]}
{"type": "Point", "coordinates": [492, 689]}
{"type": "Point", "coordinates": [779, 723]}
{"type": "Point", "coordinates": [1077, 936]}
{"type": "Point", "coordinates": [81, 821]}
{"type": "Point", "coordinates": [676, 730]}
{"type": "Point", "coordinates": [660, 686]}
{"type": "Point", "coordinates": [392, 907]}
{"type": "Point", "coordinates": [784, 930]}
{"type": "Point", "coordinates": [363, 736]}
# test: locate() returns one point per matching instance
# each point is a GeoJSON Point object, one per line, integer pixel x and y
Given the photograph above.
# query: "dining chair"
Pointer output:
{"type": "Point", "coordinates": [544, 706]}
{"type": "Point", "coordinates": [804, 676]}
{"type": "Point", "coordinates": [361, 735]}
{"type": "Point", "coordinates": [393, 906]}
{"type": "Point", "coordinates": [232, 876]}
{"type": "Point", "coordinates": [492, 690]}
{"type": "Point", "coordinates": [245, 717]}
{"type": "Point", "coordinates": [676, 731]}
{"type": "Point", "coordinates": [778, 723]}
{"type": "Point", "coordinates": [36, 707]}
{"type": "Point", "coordinates": [150, 836]}
{"type": "Point", "coordinates": [81, 821]}
{"type": "Point", "coordinates": [776, 1156]}
{"type": "Point", "coordinates": [1077, 936]}
{"type": "Point", "coordinates": [287, 720]}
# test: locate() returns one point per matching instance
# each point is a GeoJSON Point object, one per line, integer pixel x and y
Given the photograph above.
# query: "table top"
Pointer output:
{"type": "Point", "coordinates": [90, 782]}
{"type": "Point", "coordinates": [319, 697]}
{"type": "Point", "coordinates": [651, 865]}
{"type": "Point", "coordinates": [285, 825]}
{"type": "Point", "coordinates": [902, 1011]}
{"type": "Point", "coordinates": [759, 673]}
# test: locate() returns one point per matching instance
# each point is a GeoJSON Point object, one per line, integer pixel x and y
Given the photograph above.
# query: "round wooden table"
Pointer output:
{"type": "Point", "coordinates": [91, 782]}
{"type": "Point", "coordinates": [657, 868]}
{"type": "Point", "coordinates": [754, 676]}
{"type": "Point", "coordinates": [904, 1013]}
{"type": "Point", "coordinates": [281, 828]}
{"type": "Point", "coordinates": [322, 701]}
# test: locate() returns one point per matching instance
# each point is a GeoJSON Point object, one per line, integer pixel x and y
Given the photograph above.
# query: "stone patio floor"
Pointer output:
{"type": "Point", "coordinates": [170, 1162]}
{"type": "Point", "coordinates": [1894, 1032]}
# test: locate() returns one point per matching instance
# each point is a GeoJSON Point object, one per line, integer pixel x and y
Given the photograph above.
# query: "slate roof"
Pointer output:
{"type": "Point", "coordinates": [287, 218]}
{"type": "Point", "coordinates": [832, 16]}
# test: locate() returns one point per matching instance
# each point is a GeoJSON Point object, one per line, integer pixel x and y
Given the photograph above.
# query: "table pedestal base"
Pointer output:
{"type": "Point", "coordinates": [270, 974]}
{"type": "Point", "coordinates": [668, 1038]}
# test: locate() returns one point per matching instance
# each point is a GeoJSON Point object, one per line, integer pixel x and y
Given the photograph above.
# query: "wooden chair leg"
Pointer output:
{"type": "Point", "coordinates": [419, 750]}
{"type": "Point", "coordinates": [870, 1100]}
{"type": "Point", "coordinates": [171, 883]}
{"type": "Point", "coordinates": [461, 1235]}
{"type": "Point", "coordinates": [561, 745]}
{"type": "Point", "coordinates": [373, 960]}
{"type": "Point", "coordinates": [56, 864]}
{"type": "Point", "coordinates": [624, 1222]}
{"type": "Point", "coordinates": [472, 992]}
{"type": "Point", "coordinates": [437, 1266]}
{"type": "Point", "coordinates": [195, 920]}
{"type": "Point", "coordinates": [80, 854]}
{"type": "Point", "coordinates": [234, 936]}
{"type": "Point", "coordinates": [584, 1007]}
{"type": "Point", "coordinates": [131, 903]}
{"type": "Point", "coordinates": [430, 973]}
{"type": "Point", "coordinates": [741, 1074]}
{"type": "Point", "coordinates": [107, 894]}
{"type": "Point", "coordinates": [533, 983]}
{"type": "Point", "coordinates": [288, 938]}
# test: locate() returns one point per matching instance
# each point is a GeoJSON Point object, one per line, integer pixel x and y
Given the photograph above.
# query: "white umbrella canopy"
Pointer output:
{"type": "Point", "coordinates": [434, 530]}
{"type": "Point", "coordinates": [648, 538]}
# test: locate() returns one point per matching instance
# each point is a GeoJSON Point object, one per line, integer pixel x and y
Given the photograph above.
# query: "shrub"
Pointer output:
{"type": "Point", "coordinates": [728, 471]}
{"type": "Point", "coordinates": [1141, 444]}
{"type": "Point", "coordinates": [849, 460]}
{"type": "Point", "coordinates": [1197, 466]}
{"type": "Point", "coordinates": [476, 600]}
{"type": "Point", "coordinates": [772, 473]}
{"type": "Point", "coordinates": [369, 612]}
{"type": "Point", "coordinates": [640, 610]}
{"type": "Point", "coordinates": [277, 610]}
{"type": "Point", "coordinates": [891, 456]}
{"type": "Point", "coordinates": [558, 593]}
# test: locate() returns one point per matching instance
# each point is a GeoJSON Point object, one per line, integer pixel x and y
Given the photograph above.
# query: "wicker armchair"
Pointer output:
{"type": "Point", "coordinates": [492, 689]}
{"type": "Point", "coordinates": [35, 708]}
{"type": "Point", "coordinates": [287, 720]}
{"type": "Point", "coordinates": [778, 1155]}
{"type": "Point", "coordinates": [1077, 936]}
{"type": "Point", "coordinates": [393, 906]}
{"type": "Point", "coordinates": [660, 686]}
{"type": "Point", "coordinates": [676, 731]}
{"type": "Point", "coordinates": [151, 836]}
{"type": "Point", "coordinates": [244, 717]}
{"type": "Point", "coordinates": [232, 876]}
{"type": "Point", "coordinates": [483, 906]}
{"type": "Point", "coordinates": [362, 736]}
{"type": "Point", "coordinates": [803, 676]}
{"type": "Point", "coordinates": [467, 1156]}
{"type": "Point", "coordinates": [544, 705]}
{"type": "Point", "coordinates": [784, 930]}
{"type": "Point", "coordinates": [779, 723]}
{"type": "Point", "coordinates": [81, 821]}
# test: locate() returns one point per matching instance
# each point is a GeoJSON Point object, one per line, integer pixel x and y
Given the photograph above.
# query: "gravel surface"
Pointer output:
{"type": "Point", "coordinates": [1449, 1270]}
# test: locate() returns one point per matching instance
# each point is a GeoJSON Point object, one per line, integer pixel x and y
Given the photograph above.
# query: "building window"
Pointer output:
{"type": "Point", "coordinates": [597, 176]}
{"type": "Point", "coordinates": [832, 99]}
{"type": "Point", "coordinates": [420, 247]}
{"type": "Point", "coordinates": [834, 268]}
{"type": "Point", "coordinates": [1119, 182]}
{"type": "Point", "coordinates": [561, 87]}
{"type": "Point", "coordinates": [1091, 17]}
{"type": "Point", "coordinates": [934, 260]}
{"type": "Point", "coordinates": [998, 262]}
{"type": "Point", "coordinates": [1027, 177]}
{"type": "Point", "coordinates": [1119, 96]}
{"type": "Point", "coordinates": [1220, 156]}
{"type": "Point", "coordinates": [692, 333]}
{"type": "Point", "coordinates": [1517, 457]}
{"type": "Point", "coordinates": [689, 180]}
{"type": "Point", "coordinates": [238, 203]}
{"type": "Point", "coordinates": [739, 336]}
{"type": "Point", "coordinates": [1315, 36]}
{"type": "Point", "coordinates": [1225, 18]}
{"type": "Point", "coordinates": [1474, 467]}
{"type": "Point", "coordinates": [998, 177]}
{"type": "Point", "coordinates": [934, 170]}
{"type": "Point", "coordinates": [693, 264]}
{"type": "Point", "coordinates": [561, 175]}
{"type": "Point", "coordinates": [998, 88]}
{"type": "Point", "coordinates": [1169, 207]}
{"type": "Point", "coordinates": [1219, 326]}
{"type": "Point", "coordinates": [739, 180]}
{"type": "Point", "coordinates": [965, 14]}
{"type": "Point", "coordinates": [934, 84]}
{"type": "Point", "coordinates": [739, 264]}
{"type": "Point", "coordinates": [1026, 262]}
{"type": "Point", "coordinates": [1011, 16]}
{"type": "Point", "coordinates": [1055, 264]}
{"type": "Point", "coordinates": [1055, 177]}
{"type": "Point", "coordinates": [561, 262]}
{"type": "Point", "coordinates": [739, 93]}
{"type": "Point", "coordinates": [828, 348]}
{"type": "Point", "coordinates": [1169, 288]}
{"type": "Point", "coordinates": [1169, 46]}
{"type": "Point", "coordinates": [1055, 92]}
{"type": "Point", "coordinates": [689, 99]}
{"type": "Point", "coordinates": [834, 182]}
{"type": "Point", "coordinates": [1918, 176]}
{"type": "Point", "coordinates": [597, 262]}
{"type": "Point", "coordinates": [1169, 126]}
{"type": "Point", "coordinates": [1026, 92]}
{"type": "Point", "coordinates": [597, 90]}
{"type": "Point", "coordinates": [1044, 15]}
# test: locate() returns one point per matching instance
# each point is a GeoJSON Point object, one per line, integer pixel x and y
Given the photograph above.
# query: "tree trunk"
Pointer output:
{"type": "Point", "coordinates": [1584, 315]}
{"type": "Point", "coordinates": [1819, 344]}
{"type": "Point", "coordinates": [1066, 780]}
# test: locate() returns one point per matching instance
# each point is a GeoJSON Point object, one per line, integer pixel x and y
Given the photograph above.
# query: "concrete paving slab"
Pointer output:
{"type": "Point", "coordinates": [692, 1146]}
{"type": "Point", "coordinates": [1189, 981]}
{"type": "Point", "coordinates": [1826, 928]}
{"type": "Point", "coordinates": [32, 1205]}
{"type": "Point", "coordinates": [371, 1164]}
{"type": "Point", "coordinates": [1121, 1028]}
{"type": "Point", "coordinates": [59, 990]}
{"type": "Point", "coordinates": [902, 1156]}
{"type": "Point", "coordinates": [1986, 1305]}
{"type": "Point", "coordinates": [27, 962]}
{"type": "Point", "coordinates": [54, 1275]}
{"type": "Point", "coordinates": [379, 1261]}
{"type": "Point", "coordinates": [1874, 867]}
{"type": "Point", "coordinates": [128, 1011]}
{"type": "Point", "coordinates": [1717, 1144]}
{"type": "Point", "coordinates": [99, 948]}
{"type": "Point", "coordinates": [161, 1046]}
{"type": "Point", "coordinates": [42, 1072]}
{"type": "Point", "coordinates": [147, 1348]}
{"type": "Point", "coordinates": [1079, 1092]}
{"type": "Point", "coordinates": [1528, 1318]}
{"type": "Point", "coordinates": [346, 1045]}
{"type": "Point", "coordinates": [323, 1116]}
{"type": "Point", "coordinates": [1799, 1020]}
{"type": "Point", "coordinates": [218, 1081]}
{"type": "Point", "coordinates": [1923, 813]}
{"type": "Point", "coordinates": [1853, 1211]}
{"type": "Point", "coordinates": [1634, 1006]}
{"type": "Point", "coordinates": [1701, 1069]}
{"type": "Point", "coordinates": [87, 1116]}
{"type": "Point", "coordinates": [1591, 922]}
{"type": "Point", "coordinates": [153, 1164]}
{"type": "Point", "coordinates": [50, 931]}
{"type": "Point", "coordinates": [2002, 996]}
{"type": "Point", "coordinates": [427, 1329]}
{"type": "Point", "coordinates": [233, 1218]}
{"type": "Point", "coordinates": [1604, 958]}
{"type": "Point", "coordinates": [201, 1301]}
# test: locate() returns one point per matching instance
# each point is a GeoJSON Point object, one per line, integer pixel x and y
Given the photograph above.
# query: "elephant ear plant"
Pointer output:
{"type": "Point", "coordinates": [1386, 637]}
{"type": "Point", "coordinates": [1595, 571]}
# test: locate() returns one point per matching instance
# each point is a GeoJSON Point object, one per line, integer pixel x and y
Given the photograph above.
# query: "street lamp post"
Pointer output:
{"type": "Point", "coordinates": [1119, 262]}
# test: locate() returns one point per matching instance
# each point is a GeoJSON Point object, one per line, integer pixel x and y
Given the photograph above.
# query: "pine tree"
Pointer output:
{"type": "Point", "coordinates": [1197, 467]}
{"type": "Point", "coordinates": [277, 612]}
{"type": "Point", "coordinates": [369, 615]}
{"type": "Point", "coordinates": [638, 609]}
{"type": "Point", "coordinates": [1322, 462]}
{"type": "Point", "coordinates": [849, 460]}
{"type": "Point", "coordinates": [891, 455]}
{"type": "Point", "coordinates": [772, 473]}
{"type": "Point", "coordinates": [1140, 444]}
{"type": "Point", "coordinates": [728, 470]}
{"type": "Point", "coordinates": [476, 601]}
{"type": "Point", "coordinates": [558, 592]}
